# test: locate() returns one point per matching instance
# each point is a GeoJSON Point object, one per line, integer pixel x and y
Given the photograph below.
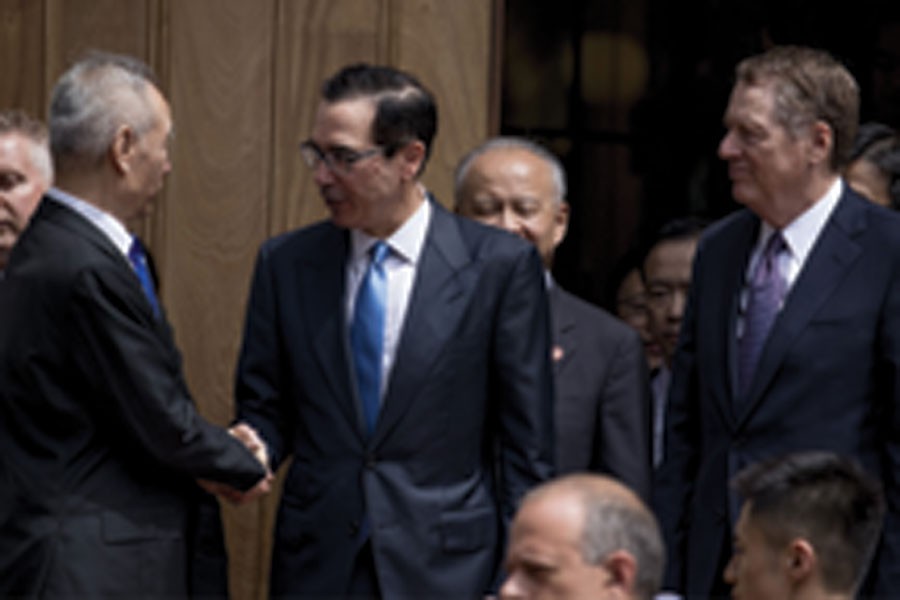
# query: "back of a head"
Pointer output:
{"type": "Point", "coordinates": [98, 94]}
{"type": "Point", "coordinates": [405, 110]}
{"type": "Point", "coordinates": [809, 86]}
{"type": "Point", "coordinates": [675, 230]}
{"type": "Point", "coordinates": [879, 144]}
{"type": "Point", "coordinates": [825, 499]}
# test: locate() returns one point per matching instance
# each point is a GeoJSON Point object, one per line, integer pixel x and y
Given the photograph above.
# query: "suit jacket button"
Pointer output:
{"type": "Point", "coordinates": [370, 461]}
{"type": "Point", "coordinates": [354, 528]}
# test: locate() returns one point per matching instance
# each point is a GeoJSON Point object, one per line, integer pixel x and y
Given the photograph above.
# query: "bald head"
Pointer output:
{"type": "Point", "coordinates": [516, 185]}
{"type": "Point", "coordinates": [588, 536]}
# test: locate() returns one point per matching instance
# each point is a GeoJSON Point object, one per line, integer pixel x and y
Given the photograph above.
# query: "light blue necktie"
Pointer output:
{"type": "Point", "coordinates": [138, 259]}
{"type": "Point", "coordinates": [367, 333]}
{"type": "Point", "coordinates": [765, 294]}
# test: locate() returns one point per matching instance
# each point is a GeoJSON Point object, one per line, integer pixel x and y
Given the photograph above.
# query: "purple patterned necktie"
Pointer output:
{"type": "Point", "coordinates": [765, 294]}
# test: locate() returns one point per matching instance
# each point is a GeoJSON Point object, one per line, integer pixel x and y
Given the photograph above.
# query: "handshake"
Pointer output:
{"type": "Point", "coordinates": [250, 438]}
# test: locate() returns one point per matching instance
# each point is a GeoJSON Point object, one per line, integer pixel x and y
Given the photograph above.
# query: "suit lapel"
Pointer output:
{"type": "Point", "coordinates": [832, 254]}
{"type": "Point", "coordinates": [63, 216]}
{"type": "Point", "coordinates": [438, 301]}
{"type": "Point", "coordinates": [322, 282]}
{"type": "Point", "coordinates": [734, 261]}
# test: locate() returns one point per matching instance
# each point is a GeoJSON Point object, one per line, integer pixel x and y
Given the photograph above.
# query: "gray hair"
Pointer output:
{"type": "Point", "coordinates": [16, 122]}
{"type": "Point", "coordinates": [612, 525]}
{"type": "Point", "coordinates": [615, 519]}
{"type": "Point", "coordinates": [517, 143]}
{"type": "Point", "coordinates": [809, 85]}
{"type": "Point", "coordinates": [95, 97]}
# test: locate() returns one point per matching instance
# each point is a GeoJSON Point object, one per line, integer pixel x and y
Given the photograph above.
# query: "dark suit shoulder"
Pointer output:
{"type": "Point", "coordinates": [590, 317]}
{"type": "Point", "coordinates": [303, 241]}
{"type": "Point", "coordinates": [487, 241]}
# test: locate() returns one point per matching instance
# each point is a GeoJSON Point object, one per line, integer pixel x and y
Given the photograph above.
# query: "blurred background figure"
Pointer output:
{"type": "Point", "coordinates": [26, 172]}
{"type": "Point", "coordinates": [627, 298]}
{"type": "Point", "coordinates": [601, 392]}
{"type": "Point", "coordinates": [808, 528]}
{"type": "Point", "coordinates": [666, 274]}
{"type": "Point", "coordinates": [583, 536]}
{"type": "Point", "coordinates": [874, 168]}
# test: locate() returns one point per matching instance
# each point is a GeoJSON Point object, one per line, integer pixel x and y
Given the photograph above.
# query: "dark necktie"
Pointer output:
{"type": "Point", "coordinates": [765, 294]}
{"type": "Point", "coordinates": [138, 259]}
{"type": "Point", "coordinates": [367, 333]}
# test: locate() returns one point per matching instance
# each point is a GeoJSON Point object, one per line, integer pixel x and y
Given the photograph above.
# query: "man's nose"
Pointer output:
{"type": "Point", "coordinates": [511, 222]}
{"type": "Point", "coordinates": [676, 306]}
{"type": "Point", "coordinates": [727, 147]}
{"type": "Point", "coordinates": [322, 173]}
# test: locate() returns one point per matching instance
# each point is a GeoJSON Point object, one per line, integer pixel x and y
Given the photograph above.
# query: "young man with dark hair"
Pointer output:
{"type": "Point", "coordinates": [807, 530]}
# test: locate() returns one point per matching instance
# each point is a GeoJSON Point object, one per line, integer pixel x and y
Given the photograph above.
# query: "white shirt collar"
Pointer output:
{"type": "Point", "coordinates": [405, 243]}
{"type": "Point", "coordinates": [801, 233]}
{"type": "Point", "coordinates": [102, 220]}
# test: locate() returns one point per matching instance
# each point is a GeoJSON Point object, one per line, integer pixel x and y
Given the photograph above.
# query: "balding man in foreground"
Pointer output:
{"type": "Point", "coordinates": [583, 536]}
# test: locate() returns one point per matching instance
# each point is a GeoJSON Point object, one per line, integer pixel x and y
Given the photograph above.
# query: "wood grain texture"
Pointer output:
{"type": "Point", "coordinates": [216, 210]}
{"type": "Point", "coordinates": [447, 46]}
{"type": "Point", "coordinates": [22, 55]}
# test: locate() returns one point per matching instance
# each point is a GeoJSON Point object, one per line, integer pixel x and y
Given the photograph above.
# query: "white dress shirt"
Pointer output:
{"type": "Point", "coordinates": [400, 267]}
{"type": "Point", "coordinates": [799, 236]}
{"type": "Point", "coordinates": [111, 227]}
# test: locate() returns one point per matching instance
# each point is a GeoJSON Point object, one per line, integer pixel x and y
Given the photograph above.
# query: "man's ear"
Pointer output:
{"type": "Point", "coordinates": [622, 569]}
{"type": "Point", "coordinates": [560, 223]}
{"type": "Point", "coordinates": [412, 156]}
{"type": "Point", "coordinates": [122, 148]}
{"type": "Point", "coordinates": [802, 560]}
{"type": "Point", "coordinates": [821, 142]}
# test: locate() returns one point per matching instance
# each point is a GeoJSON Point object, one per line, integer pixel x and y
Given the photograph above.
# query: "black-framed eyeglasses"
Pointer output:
{"type": "Point", "coordinates": [337, 158]}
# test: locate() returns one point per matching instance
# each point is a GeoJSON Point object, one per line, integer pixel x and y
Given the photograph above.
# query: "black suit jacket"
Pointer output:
{"type": "Point", "coordinates": [465, 426]}
{"type": "Point", "coordinates": [827, 379]}
{"type": "Point", "coordinates": [602, 408]}
{"type": "Point", "coordinates": [100, 442]}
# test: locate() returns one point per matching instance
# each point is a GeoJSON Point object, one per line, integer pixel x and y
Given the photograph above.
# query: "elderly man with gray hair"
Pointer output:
{"type": "Point", "coordinates": [602, 394]}
{"type": "Point", "coordinates": [583, 536]}
{"type": "Point", "coordinates": [26, 172]}
{"type": "Point", "coordinates": [101, 447]}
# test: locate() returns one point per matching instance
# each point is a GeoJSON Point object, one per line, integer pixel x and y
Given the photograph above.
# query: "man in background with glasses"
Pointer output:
{"type": "Point", "coordinates": [401, 356]}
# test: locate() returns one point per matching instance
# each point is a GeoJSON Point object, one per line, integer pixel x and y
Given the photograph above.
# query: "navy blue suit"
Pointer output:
{"type": "Point", "coordinates": [465, 426]}
{"type": "Point", "coordinates": [828, 378]}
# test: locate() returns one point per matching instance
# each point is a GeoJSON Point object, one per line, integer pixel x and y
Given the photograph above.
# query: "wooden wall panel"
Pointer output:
{"type": "Point", "coordinates": [22, 56]}
{"type": "Point", "coordinates": [447, 45]}
{"type": "Point", "coordinates": [216, 210]}
{"type": "Point", "coordinates": [75, 26]}
{"type": "Point", "coordinates": [314, 40]}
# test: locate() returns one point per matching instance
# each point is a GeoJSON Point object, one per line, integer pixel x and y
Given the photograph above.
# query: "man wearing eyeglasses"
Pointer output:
{"type": "Point", "coordinates": [401, 356]}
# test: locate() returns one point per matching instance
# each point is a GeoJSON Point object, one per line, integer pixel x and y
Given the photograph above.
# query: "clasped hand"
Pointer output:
{"type": "Point", "coordinates": [250, 438]}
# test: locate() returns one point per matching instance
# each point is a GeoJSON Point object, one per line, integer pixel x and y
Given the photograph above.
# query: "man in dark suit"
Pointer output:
{"type": "Point", "coordinates": [100, 444]}
{"type": "Point", "coordinates": [401, 355]}
{"type": "Point", "coordinates": [791, 336]}
{"type": "Point", "coordinates": [602, 409]}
